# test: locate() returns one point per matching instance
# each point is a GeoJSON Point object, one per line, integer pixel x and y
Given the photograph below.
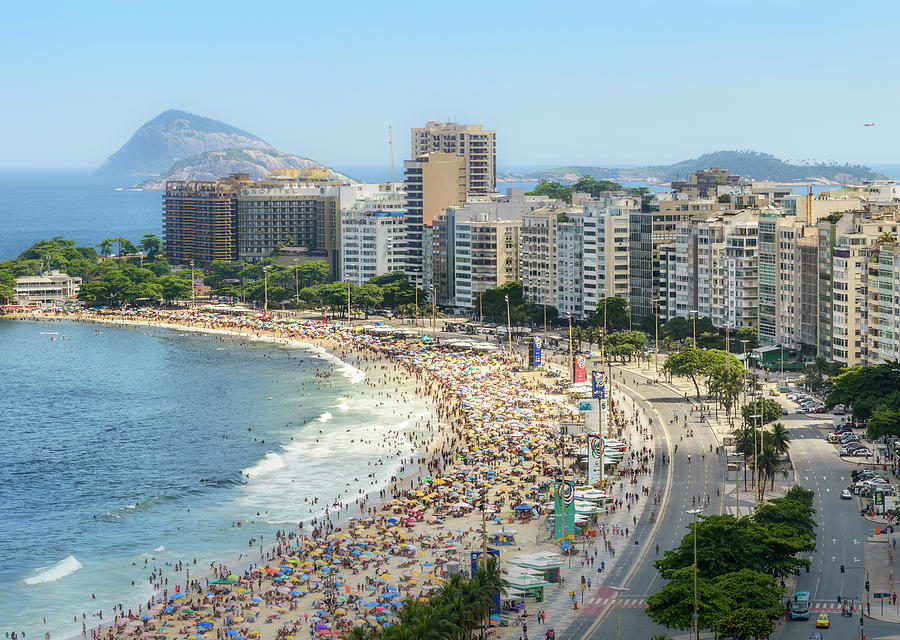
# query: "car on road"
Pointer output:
{"type": "Point", "coordinates": [815, 635]}
{"type": "Point", "coordinates": [846, 495]}
{"type": "Point", "coordinates": [823, 621]}
{"type": "Point", "coordinates": [801, 410]}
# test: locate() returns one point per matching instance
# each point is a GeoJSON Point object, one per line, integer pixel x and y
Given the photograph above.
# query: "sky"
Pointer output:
{"type": "Point", "coordinates": [599, 83]}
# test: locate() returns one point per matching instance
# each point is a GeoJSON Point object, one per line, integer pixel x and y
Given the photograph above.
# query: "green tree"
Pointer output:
{"type": "Point", "coordinates": [790, 512]}
{"type": "Point", "coordinates": [725, 382]}
{"type": "Point", "coordinates": [106, 246]}
{"type": "Point", "coordinates": [7, 286]}
{"type": "Point", "coordinates": [554, 190]}
{"type": "Point", "coordinates": [689, 363]}
{"type": "Point", "coordinates": [867, 388]}
{"type": "Point", "coordinates": [746, 588]}
{"type": "Point", "coordinates": [589, 184]}
{"type": "Point", "coordinates": [779, 438]}
{"type": "Point", "coordinates": [151, 245]}
{"type": "Point", "coordinates": [367, 296]}
{"type": "Point", "coordinates": [615, 309]}
{"type": "Point", "coordinates": [883, 422]}
{"type": "Point", "coordinates": [768, 408]}
{"type": "Point", "coordinates": [493, 301]}
{"type": "Point", "coordinates": [174, 288]}
{"type": "Point", "coordinates": [745, 444]}
{"type": "Point", "coordinates": [750, 334]}
{"type": "Point", "coordinates": [744, 623]}
{"type": "Point", "coordinates": [673, 605]}
{"type": "Point", "coordinates": [768, 464]}
{"type": "Point", "coordinates": [682, 328]}
{"type": "Point", "coordinates": [801, 495]}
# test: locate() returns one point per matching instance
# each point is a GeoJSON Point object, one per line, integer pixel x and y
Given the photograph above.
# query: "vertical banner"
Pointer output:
{"type": "Point", "coordinates": [564, 511]}
{"type": "Point", "coordinates": [595, 387]}
{"type": "Point", "coordinates": [596, 445]}
{"type": "Point", "coordinates": [536, 352]}
{"type": "Point", "coordinates": [580, 368]}
{"type": "Point", "coordinates": [478, 559]}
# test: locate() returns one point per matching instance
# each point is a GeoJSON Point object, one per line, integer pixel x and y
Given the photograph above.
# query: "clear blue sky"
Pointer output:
{"type": "Point", "coordinates": [632, 81]}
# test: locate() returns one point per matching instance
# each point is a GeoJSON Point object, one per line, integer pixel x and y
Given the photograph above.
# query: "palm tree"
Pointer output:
{"type": "Point", "coordinates": [106, 246]}
{"type": "Point", "coordinates": [769, 463]}
{"type": "Point", "coordinates": [886, 237]}
{"type": "Point", "coordinates": [744, 438]}
{"type": "Point", "coordinates": [778, 437]}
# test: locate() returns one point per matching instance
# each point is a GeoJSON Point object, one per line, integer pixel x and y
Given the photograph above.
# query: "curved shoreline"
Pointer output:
{"type": "Point", "coordinates": [463, 388]}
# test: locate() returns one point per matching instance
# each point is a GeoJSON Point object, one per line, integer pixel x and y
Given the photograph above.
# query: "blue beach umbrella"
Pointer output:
{"type": "Point", "coordinates": [231, 632]}
{"type": "Point", "coordinates": [205, 624]}
{"type": "Point", "coordinates": [255, 600]}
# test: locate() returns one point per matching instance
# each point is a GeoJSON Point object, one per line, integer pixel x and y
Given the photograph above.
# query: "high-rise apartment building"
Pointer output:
{"type": "Point", "coordinates": [538, 256]}
{"type": "Point", "coordinates": [845, 243]}
{"type": "Point", "coordinates": [478, 146]}
{"type": "Point", "coordinates": [433, 182]}
{"type": "Point", "coordinates": [606, 247]}
{"type": "Point", "coordinates": [883, 304]}
{"type": "Point", "coordinates": [372, 243]}
{"type": "Point", "coordinates": [486, 256]}
{"type": "Point", "coordinates": [570, 267]}
{"type": "Point", "coordinates": [200, 219]}
{"type": "Point", "coordinates": [655, 225]}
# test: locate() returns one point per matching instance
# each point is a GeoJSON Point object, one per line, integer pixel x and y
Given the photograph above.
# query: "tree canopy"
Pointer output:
{"type": "Point", "coordinates": [616, 314]}
{"type": "Point", "coordinates": [866, 388]}
{"type": "Point", "coordinates": [767, 407]}
{"type": "Point", "coordinates": [739, 561]}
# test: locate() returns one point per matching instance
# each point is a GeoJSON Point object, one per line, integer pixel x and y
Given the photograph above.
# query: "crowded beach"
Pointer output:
{"type": "Point", "coordinates": [482, 476]}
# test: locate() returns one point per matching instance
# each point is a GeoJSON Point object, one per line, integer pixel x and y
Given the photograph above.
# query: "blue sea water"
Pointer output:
{"type": "Point", "coordinates": [139, 443]}
{"type": "Point", "coordinates": [38, 205]}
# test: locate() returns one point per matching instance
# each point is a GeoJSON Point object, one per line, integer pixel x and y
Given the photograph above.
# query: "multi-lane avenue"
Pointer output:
{"type": "Point", "coordinates": [841, 530]}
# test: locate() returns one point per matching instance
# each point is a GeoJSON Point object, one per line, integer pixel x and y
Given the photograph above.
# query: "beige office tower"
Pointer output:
{"type": "Point", "coordinates": [476, 145]}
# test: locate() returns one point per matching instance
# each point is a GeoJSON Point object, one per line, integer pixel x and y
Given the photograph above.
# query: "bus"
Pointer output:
{"type": "Point", "coordinates": [800, 606]}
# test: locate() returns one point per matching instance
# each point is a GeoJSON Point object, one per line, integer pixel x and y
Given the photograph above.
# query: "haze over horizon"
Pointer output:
{"type": "Point", "coordinates": [652, 82]}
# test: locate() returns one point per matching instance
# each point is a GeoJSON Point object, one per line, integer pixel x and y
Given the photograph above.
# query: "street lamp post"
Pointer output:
{"type": "Point", "coordinates": [618, 591]}
{"type": "Point", "coordinates": [193, 299]}
{"type": "Point", "coordinates": [694, 513]}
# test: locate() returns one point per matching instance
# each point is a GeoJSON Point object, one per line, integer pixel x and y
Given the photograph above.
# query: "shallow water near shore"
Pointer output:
{"type": "Point", "coordinates": [133, 444]}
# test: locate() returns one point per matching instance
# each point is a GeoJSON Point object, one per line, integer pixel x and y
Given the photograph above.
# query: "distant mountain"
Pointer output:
{"type": "Point", "coordinates": [177, 145]}
{"type": "Point", "coordinates": [171, 136]}
{"type": "Point", "coordinates": [215, 164]}
{"type": "Point", "coordinates": [748, 164]}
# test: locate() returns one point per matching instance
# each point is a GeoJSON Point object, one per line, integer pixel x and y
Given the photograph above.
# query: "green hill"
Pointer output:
{"type": "Point", "coordinates": [749, 164]}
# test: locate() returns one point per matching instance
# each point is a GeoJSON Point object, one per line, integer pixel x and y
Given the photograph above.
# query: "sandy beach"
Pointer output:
{"type": "Point", "coordinates": [492, 437]}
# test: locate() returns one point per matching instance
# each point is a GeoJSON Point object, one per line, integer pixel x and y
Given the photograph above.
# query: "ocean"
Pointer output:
{"type": "Point", "coordinates": [139, 444]}
{"type": "Point", "coordinates": [38, 205]}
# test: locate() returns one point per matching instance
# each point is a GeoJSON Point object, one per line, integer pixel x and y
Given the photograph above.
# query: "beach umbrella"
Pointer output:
{"type": "Point", "coordinates": [231, 632]}
{"type": "Point", "coordinates": [205, 624]}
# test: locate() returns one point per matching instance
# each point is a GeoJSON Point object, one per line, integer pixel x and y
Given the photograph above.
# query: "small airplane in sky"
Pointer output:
{"type": "Point", "coordinates": [868, 124]}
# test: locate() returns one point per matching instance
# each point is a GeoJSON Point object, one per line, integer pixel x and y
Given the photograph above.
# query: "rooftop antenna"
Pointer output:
{"type": "Point", "coordinates": [391, 145]}
{"type": "Point", "coordinates": [809, 196]}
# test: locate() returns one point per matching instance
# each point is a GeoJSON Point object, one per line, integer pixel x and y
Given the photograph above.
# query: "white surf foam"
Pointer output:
{"type": "Point", "coordinates": [344, 406]}
{"type": "Point", "coordinates": [55, 571]}
{"type": "Point", "coordinates": [160, 548]}
{"type": "Point", "coordinates": [325, 417]}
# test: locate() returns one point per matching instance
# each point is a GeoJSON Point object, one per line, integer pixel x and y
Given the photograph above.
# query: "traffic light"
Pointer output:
{"type": "Point", "coordinates": [842, 568]}
{"type": "Point", "coordinates": [867, 585]}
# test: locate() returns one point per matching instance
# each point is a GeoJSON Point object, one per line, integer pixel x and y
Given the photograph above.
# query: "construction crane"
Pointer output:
{"type": "Point", "coordinates": [391, 146]}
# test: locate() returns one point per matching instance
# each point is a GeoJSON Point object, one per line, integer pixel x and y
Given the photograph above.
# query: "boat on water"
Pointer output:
{"type": "Point", "coordinates": [49, 333]}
